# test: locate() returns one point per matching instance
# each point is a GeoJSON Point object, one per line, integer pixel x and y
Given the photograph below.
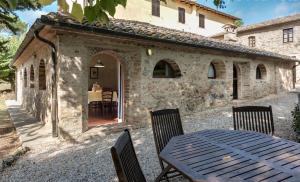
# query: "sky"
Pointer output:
{"type": "Point", "coordinates": [251, 11]}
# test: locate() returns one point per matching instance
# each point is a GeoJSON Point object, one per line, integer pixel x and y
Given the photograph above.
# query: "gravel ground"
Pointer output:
{"type": "Point", "coordinates": [91, 161]}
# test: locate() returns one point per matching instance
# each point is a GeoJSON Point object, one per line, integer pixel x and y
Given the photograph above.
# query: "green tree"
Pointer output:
{"type": "Point", "coordinates": [9, 21]}
{"type": "Point", "coordinates": [239, 23]}
{"type": "Point", "coordinates": [7, 74]}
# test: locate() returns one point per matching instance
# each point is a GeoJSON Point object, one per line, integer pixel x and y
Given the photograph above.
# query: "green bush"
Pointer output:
{"type": "Point", "coordinates": [296, 119]}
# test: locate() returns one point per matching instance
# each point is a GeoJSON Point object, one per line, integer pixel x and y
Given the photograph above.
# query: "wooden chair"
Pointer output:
{"type": "Point", "coordinates": [125, 160]}
{"type": "Point", "coordinates": [165, 125]}
{"type": "Point", "coordinates": [107, 104]}
{"type": "Point", "coordinates": [253, 118]}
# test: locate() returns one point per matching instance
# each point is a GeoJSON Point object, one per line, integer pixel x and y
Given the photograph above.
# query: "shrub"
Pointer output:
{"type": "Point", "coordinates": [296, 119]}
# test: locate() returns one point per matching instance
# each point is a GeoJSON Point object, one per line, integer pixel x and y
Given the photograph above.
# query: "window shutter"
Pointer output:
{"type": "Point", "coordinates": [201, 21]}
{"type": "Point", "coordinates": [288, 35]}
{"type": "Point", "coordinates": [181, 12]}
{"type": "Point", "coordinates": [156, 8]}
{"type": "Point", "coordinates": [252, 42]}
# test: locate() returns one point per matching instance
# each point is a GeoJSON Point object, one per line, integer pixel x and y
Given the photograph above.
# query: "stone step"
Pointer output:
{"type": "Point", "coordinates": [10, 142]}
{"type": "Point", "coordinates": [6, 130]}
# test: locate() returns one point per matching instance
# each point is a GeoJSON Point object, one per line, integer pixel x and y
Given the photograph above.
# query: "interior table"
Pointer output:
{"type": "Point", "coordinates": [230, 155]}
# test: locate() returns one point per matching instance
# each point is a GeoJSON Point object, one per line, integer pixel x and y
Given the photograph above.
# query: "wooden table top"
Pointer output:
{"type": "Point", "coordinates": [229, 155]}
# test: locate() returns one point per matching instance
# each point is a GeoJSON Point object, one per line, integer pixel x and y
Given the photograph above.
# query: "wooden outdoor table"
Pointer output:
{"type": "Point", "coordinates": [229, 155]}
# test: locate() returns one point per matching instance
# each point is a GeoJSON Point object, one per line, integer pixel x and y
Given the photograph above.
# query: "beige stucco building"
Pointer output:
{"type": "Point", "coordinates": [149, 68]}
{"type": "Point", "coordinates": [198, 19]}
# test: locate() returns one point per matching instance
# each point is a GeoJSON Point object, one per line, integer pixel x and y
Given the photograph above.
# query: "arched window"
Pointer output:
{"type": "Point", "coordinates": [166, 69]}
{"type": "Point", "coordinates": [211, 71]}
{"type": "Point", "coordinates": [42, 75]}
{"type": "Point", "coordinates": [216, 70]}
{"type": "Point", "coordinates": [261, 72]}
{"type": "Point", "coordinates": [25, 78]}
{"type": "Point", "coordinates": [31, 76]}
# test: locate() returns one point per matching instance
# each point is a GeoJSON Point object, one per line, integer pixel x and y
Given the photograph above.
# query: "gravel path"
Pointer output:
{"type": "Point", "coordinates": [91, 160]}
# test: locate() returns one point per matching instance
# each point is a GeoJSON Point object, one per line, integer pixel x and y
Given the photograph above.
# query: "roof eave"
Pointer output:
{"type": "Point", "coordinates": [37, 25]}
{"type": "Point", "coordinates": [111, 32]}
{"type": "Point", "coordinates": [40, 23]}
{"type": "Point", "coordinates": [211, 9]}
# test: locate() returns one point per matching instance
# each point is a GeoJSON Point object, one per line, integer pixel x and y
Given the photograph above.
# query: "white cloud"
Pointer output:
{"type": "Point", "coordinates": [286, 8]}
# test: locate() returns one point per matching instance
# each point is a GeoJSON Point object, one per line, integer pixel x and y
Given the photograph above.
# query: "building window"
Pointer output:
{"type": "Point", "coordinates": [42, 75]}
{"type": "Point", "coordinates": [201, 21]}
{"type": "Point", "coordinates": [31, 77]}
{"type": "Point", "coordinates": [25, 78]}
{"type": "Point", "coordinates": [252, 41]}
{"type": "Point", "coordinates": [288, 35]}
{"type": "Point", "coordinates": [261, 72]}
{"type": "Point", "coordinates": [181, 15]}
{"type": "Point", "coordinates": [211, 72]}
{"type": "Point", "coordinates": [156, 8]}
{"type": "Point", "coordinates": [166, 69]}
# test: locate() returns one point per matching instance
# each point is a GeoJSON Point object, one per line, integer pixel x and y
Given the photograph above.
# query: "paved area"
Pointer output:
{"type": "Point", "coordinates": [89, 159]}
{"type": "Point", "coordinates": [31, 131]}
{"type": "Point", "coordinates": [9, 140]}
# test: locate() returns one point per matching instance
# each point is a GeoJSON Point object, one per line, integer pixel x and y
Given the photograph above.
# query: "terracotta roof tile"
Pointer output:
{"type": "Point", "coordinates": [147, 31]}
{"type": "Point", "coordinates": [272, 22]}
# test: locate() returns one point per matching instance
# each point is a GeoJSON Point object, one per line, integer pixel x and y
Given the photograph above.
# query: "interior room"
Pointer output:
{"type": "Point", "coordinates": [103, 90]}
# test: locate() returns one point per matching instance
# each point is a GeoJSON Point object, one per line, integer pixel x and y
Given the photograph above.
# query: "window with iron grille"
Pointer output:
{"type": "Point", "coordinates": [288, 35]}
{"type": "Point", "coordinates": [181, 13]}
{"type": "Point", "coordinates": [201, 21]}
{"type": "Point", "coordinates": [252, 41]}
{"type": "Point", "coordinates": [156, 8]}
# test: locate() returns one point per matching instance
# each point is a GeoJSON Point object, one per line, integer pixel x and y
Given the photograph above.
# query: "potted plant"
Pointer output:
{"type": "Point", "coordinates": [296, 120]}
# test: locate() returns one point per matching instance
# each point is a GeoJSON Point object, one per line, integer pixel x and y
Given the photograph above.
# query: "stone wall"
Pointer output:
{"type": "Point", "coordinates": [192, 92]}
{"type": "Point", "coordinates": [271, 39]}
{"type": "Point", "coordinates": [35, 100]}
{"type": "Point", "coordinates": [76, 53]}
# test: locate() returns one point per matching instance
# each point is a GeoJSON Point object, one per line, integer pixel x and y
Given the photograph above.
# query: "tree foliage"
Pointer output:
{"type": "Point", "coordinates": [8, 18]}
{"type": "Point", "coordinates": [6, 72]}
{"type": "Point", "coordinates": [239, 23]}
{"type": "Point", "coordinates": [9, 21]}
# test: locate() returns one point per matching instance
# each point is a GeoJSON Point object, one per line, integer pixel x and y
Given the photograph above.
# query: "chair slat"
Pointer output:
{"type": "Point", "coordinates": [125, 160]}
{"type": "Point", "coordinates": [253, 118]}
{"type": "Point", "coordinates": [165, 125]}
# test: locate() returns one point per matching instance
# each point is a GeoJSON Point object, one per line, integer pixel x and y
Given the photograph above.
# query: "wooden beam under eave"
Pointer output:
{"type": "Point", "coordinates": [35, 45]}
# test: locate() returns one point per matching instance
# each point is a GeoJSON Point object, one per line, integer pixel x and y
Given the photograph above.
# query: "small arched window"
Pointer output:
{"type": "Point", "coordinates": [31, 76]}
{"type": "Point", "coordinates": [166, 69]}
{"type": "Point", "coordinates": [261, 72]}
{"type": "Point", "coordinates": [211, 71]}
{"type": "Point", "coordinates": [25, 78]}
{"type": "Point", "coordinates": [216, 70]}
{"type": "Point", "coordinates": [42, 75]}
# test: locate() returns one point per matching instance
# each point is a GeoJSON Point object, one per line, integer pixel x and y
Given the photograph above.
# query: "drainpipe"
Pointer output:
{"type": "Point", "coordinates": [54, 116]}
{"type": "Point", "coordinates": [295, 79]}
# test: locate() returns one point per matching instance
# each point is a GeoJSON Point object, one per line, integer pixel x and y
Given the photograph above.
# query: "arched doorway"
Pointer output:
{"type": "Point", "coordinates": [235, 84]}
{"type": "Point", "coordinates": [105, 89]}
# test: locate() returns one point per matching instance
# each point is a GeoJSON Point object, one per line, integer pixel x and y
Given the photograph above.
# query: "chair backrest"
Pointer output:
{"type": "Point", "coordinates": [126, 163]}
{"type": "Point", "coordinates": [253, 118]}
{"type": "Point", "coordinates": [107, 96]}
{"type": "Point", "coordinates": [165, 125]}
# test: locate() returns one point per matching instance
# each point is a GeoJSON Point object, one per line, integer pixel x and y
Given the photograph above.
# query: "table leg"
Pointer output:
{"type": "Point", "coordinates": [163, 173]}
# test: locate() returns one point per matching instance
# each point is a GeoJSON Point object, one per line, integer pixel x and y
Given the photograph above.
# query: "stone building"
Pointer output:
{"type": "Point", "coordinates": [281, 35]}
{"type": "Point", "coordinates": [153, 68]}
